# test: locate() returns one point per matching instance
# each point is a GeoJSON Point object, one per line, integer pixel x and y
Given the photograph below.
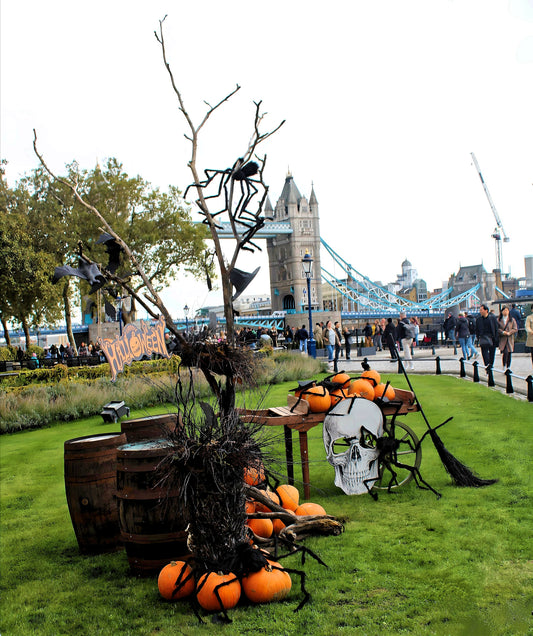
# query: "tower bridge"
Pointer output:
{"type": "Point", "coordinates": [291, 229]}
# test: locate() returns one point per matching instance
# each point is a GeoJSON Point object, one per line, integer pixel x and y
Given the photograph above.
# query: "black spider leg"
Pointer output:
{"type": "Point", "coordinates": [207, 182]}
{"type": "Point", "coordinates": [301, 574]}
{"type": "Point", "coordinates": [248, 192]}
{"type": "Point", "coordinates": [412, 469]}
{"type": "Point", "coordinates": [211, 174]}
{"type": "Point", "coordinates": [196, 605]}
{"type": "Point", "coordinates": [304, 550]}
{"type": "Point", "coordinates": [372, 480]}
{"type": "Point", "coordinates": [180, 581]}
{"type": "Point", "coordinates": [385, 453]}
{"type": "Point", "coordinates": [247, 236]}
{"type": "Point", "coordinates": [417, 477]}
{"type": "Point", "coordinates": [227, 619]}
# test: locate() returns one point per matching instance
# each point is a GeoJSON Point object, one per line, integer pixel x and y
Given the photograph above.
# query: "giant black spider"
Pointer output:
{"type": "Point", "coordinates": [240, 172]}
{"type": "Point", "coordinates": [390, 447]}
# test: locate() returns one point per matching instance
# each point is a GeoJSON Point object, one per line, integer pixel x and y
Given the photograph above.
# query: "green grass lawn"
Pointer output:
{"type": "Point", "coordinates": [408, 563]}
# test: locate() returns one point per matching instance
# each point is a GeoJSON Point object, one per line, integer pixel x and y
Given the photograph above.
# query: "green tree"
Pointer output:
{"type": "Point", "coordinates": [28, 295]}
{"type": "Point", "coordinates": [154, 224]}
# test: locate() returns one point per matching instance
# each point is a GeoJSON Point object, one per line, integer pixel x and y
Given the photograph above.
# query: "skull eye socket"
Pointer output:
{"type": "Point", "coordinates": [365, 440]}
{"type": "Point", "coordinates": [368, 440]}
{"type": "Point", "coordinates": [341, 445]}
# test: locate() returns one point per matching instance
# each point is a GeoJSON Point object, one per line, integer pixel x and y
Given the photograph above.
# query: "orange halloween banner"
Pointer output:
{"type": "Point", "coordinates": [134, 344]}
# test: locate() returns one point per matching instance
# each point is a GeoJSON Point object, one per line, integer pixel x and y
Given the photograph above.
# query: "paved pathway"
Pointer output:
{"type": "Point", "coordinates": [426, 362]}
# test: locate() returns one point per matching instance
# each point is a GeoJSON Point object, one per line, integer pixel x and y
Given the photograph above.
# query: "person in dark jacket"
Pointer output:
{"type": "Point", "coordinates": [470, 340]}
{"type": "Point", "coordinates": [347, 344]}
{"type": "Point", "coordinates": [487, 334]}
{"type": "Point", "coordinates": [449, 328]}
{"type": "Point", "coordinates": [303, 336]}
{"type": "Point", "coordinates": [389, 336]}
{"type": "Point", "coordinates": [461, 333]}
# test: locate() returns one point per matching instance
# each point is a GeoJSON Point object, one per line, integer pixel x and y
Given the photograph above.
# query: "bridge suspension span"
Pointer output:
{"type": "Point", "coordinates": [372, 297]}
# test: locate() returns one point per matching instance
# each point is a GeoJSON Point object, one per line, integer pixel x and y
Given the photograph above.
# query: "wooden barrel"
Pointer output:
{"type": "Point", "coordinates": [90, 486]}
{"type": "Point", "coordinates": [150, 427]}
{"type": "Point", "coordinates": [152, 527]}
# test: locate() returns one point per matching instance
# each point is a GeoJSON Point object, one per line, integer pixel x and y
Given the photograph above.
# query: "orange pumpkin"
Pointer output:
{"type": "Point", "coordinates": [310, 508]}
{"type": "Point", "coordinates": [289, 496]}
{"type": "Point", "coordinates": [277, 525]}
{"type": "Point", "coordinates": [254, 475]}
{"type": "Point", "coordinates": [341, 378]}
{"type": "Point", "coordinates": [250, 506]}
{"type": "Point", "coordinates": [338, 395]}
{"type": "Point", "coordinates": [363, 388]}
{"type": "Point", "coordinates": [261, 527]}
{"type": "Point", "coordinates": [372, 375]}
{"type": "Point", "coordinates": [317, 398]}
{"type": "Point", "coordinates": [229, 594]}
{"type": "Point", "coordinates": [380, 392]}
{"type": "Point", "coordinates": [268, 584]}
{"type": "Point", "coordinates": [175, 581]}
{"type": "Point", "coordinates": [260, 507]}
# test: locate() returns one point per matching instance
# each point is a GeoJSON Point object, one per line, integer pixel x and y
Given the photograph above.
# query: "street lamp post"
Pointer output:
{"type": "Point", "coordinates": [307, 262]}
{"type": "Point", "coordinates": [119, 303]}
{"type": "Point", "coordinates": [186, 312]}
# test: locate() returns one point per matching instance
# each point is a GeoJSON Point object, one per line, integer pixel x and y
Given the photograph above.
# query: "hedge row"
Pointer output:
{"type": "Point", "coordinates": [59, 372]}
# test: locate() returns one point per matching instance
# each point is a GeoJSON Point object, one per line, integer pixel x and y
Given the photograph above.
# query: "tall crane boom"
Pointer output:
{"type": "Point", "coordinates": [498, 231]}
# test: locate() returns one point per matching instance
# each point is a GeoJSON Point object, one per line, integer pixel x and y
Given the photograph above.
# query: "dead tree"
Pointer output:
{"type": "Point", "coordinates": [235, 184]}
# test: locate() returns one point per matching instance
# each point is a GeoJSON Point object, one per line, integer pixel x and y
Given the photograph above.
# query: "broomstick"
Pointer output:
{"type": "Point", "coordinates": [461, 474]}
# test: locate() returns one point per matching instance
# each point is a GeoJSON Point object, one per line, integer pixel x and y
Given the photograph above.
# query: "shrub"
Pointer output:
{"type": "Point", "coordinates": [8, 353]}
{"type": "Point", "coordinates": [33, 399]}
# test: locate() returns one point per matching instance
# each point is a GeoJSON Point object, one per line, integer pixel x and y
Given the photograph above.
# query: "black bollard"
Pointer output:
{"type": "Point", "coordinates": [462, 372]}
{"type": "Point", "coordinates": [476, 371]}
{"type": "Point", "coordinates": [509, 387]}
{"type": "Point", "coordinates": [529, 381]}
{"type": "Point", "coordinates": [490, 376]}
{"type": "Point", "coordinates": [438, 371]}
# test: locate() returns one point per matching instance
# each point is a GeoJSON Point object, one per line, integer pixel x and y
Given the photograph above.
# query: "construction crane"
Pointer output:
{"type": "Point", "coordinates": [498, 230]}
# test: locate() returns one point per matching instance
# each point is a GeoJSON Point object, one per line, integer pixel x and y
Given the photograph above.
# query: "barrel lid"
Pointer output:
{"type": "Point", "coordinates": [93, 438]}
{"type": "Point", "coordinates": [146, 445]}
{"type": "Point", "coordinates": [163, 418]}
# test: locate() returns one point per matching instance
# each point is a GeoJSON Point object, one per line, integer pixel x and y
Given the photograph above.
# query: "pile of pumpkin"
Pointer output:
{"type": "Point", "coordinates": [217, 591]}
{"type": "Point", "coordinates": [286, 496]}
{"type": "Point", "coordinates": [321, 396]}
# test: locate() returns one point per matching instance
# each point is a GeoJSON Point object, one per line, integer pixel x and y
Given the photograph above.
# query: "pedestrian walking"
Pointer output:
{"type": "Point", "coordinates": [487, 334]}
{"type": "Point", "coordinates": [507, 328]}
{"type": "Point", "coordinates": [472, 351]}
{"type": "Point", "coordinates": [461, 333]}
{"type": "Point", "coordinates": [404, 334]}
{"type": "Point", "coordinates": [389, 335]}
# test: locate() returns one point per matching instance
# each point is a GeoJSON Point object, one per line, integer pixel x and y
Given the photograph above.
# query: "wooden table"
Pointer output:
{"type": "Point", "coordinates": [297, 417]}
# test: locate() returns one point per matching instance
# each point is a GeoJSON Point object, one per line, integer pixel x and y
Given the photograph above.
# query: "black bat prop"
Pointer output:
{"type": "Point", "coordinates": [85, 270]}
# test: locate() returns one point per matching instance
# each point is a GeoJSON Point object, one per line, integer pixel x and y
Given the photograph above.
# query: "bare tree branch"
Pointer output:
{"type": "Point", "coordinates": [156, 300]}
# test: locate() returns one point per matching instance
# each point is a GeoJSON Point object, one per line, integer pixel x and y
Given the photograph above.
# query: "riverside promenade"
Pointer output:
{"type": "Point", "coordinates": [425, 362]}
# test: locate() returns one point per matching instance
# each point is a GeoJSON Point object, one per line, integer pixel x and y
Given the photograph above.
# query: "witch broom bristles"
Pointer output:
{"type": "Point", "coordinates": [461, 474]}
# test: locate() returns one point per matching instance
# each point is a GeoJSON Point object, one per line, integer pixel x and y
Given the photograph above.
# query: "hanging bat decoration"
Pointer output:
{"type": "Point", "coordinates": [86, 270]}
{"type": "Point", "coordinates": [113, 249]}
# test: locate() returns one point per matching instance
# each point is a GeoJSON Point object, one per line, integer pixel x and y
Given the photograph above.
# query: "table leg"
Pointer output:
{"type": "Point", "coordinates": [304, 454]}
{"type": "Point", "coordinates": [288, 454]}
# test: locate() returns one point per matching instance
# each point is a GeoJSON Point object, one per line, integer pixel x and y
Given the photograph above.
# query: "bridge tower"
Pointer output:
{"type": "Point", "coordinates": [288, 286]}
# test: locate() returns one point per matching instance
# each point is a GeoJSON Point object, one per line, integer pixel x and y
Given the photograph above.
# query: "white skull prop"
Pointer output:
{"type": "Point", "coordinates": [349, 423]}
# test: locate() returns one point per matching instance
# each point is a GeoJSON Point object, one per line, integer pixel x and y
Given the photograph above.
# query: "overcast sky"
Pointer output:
{"type": "Point", "coordinates": [384, 101]}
